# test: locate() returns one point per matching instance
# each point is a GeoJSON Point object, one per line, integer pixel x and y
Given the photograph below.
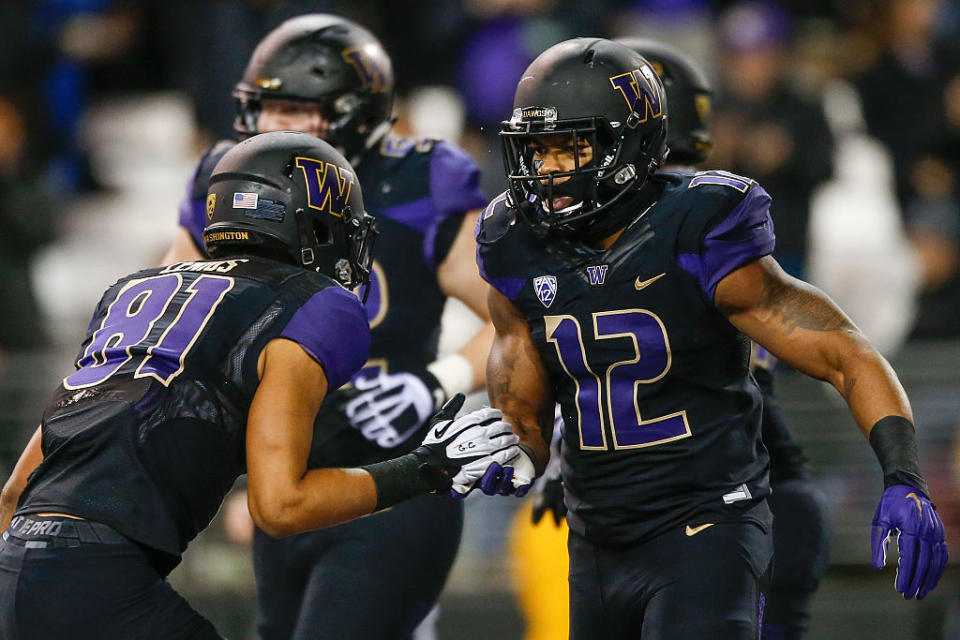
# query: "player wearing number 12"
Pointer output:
{"type": "Point", "coordinates": [192, 375]}
{"type": "Point", "coordinates": [627, 296]}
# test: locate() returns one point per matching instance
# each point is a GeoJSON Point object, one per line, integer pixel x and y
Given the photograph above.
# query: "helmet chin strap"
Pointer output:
{"type": "Point", "coordinates": [372, 140]}
{"type": "Point", "coordinates": [629, 205]}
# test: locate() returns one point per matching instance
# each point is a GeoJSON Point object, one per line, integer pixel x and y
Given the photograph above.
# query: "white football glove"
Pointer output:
{"type": "Point", "coordinates": [463, 448]}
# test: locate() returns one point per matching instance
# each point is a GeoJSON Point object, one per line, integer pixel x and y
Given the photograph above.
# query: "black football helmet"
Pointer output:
{"type": "Point", "coordinates": [689, 94]}
{"type": "Point", "coordinates": [293, 197]}
{"type": "Point", "coordinates": [328, 61]}
{"type": "Point", "coordinates": [594, 90]}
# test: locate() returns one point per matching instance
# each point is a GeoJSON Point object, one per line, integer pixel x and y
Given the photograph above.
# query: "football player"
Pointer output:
{"type": "Point", "coordinates": [800, 537]}
{"type": "Point", "coordinates": [628, 296]}
{"type": "Point", "coordinates": [325, 75]}
{"type": "Point", "coordinates": [193, 374]}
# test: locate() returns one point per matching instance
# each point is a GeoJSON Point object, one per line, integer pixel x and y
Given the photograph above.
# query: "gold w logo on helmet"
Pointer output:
{"type": "Point", "coordinates": [641, 93]}
{"type": "Point", "coordinates": [328, 186]}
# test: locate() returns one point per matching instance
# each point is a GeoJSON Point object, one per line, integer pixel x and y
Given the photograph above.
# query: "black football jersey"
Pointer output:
{"type": "Point", "coordinates": [787, 460]}
{"type": "Point", "coordinates": [661, 415]}
{"type": "Point", "coordinates": [418, 190]}
{"type": "Point", "coordinates": [148, 434]}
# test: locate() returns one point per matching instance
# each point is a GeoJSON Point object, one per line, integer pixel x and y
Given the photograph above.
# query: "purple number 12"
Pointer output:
{"type": "Point", "coordinates": [130, 319]}
{"type": "Point", "coordinates": [649, 361]}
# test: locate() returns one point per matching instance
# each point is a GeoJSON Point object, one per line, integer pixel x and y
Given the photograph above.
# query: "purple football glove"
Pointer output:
{"type": "Point", "coordinates": [922, 545]}
{"type": "Point", "coordinates": [513, 477]}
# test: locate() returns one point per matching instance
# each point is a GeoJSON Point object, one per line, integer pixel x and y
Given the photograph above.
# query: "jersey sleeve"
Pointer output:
{"type": "Point", "coordinates": [743, 235]}
{"type": "Point", "coordinates": [193, 206]}
{"type": "Point", "coordinates": [454, 190]}
{"type": "Point", "coordinates": [492, 226]}
{"type": "Point", "coordinates": [191, 215]}
{"type": "Point", "coordinates": [332, 327]}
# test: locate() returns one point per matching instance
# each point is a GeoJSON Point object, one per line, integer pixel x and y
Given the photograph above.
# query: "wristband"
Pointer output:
{"type": "Point", "coordinates": [894, 441]}
{"type": "Point", "coordinates": [454, 373]}
{"type": "Point", "coordinates": [399, 479]}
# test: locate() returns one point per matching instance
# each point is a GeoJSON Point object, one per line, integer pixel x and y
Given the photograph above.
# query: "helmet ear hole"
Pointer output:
{"type": "Point", "coordinates": [322, 233]}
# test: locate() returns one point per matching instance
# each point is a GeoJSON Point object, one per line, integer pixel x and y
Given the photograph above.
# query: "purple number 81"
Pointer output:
{"type": "Point", "coordinates": [125, 331]}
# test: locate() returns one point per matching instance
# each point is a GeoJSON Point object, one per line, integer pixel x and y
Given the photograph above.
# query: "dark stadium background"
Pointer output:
{"type": "Point", "coordinates": [848, 111]}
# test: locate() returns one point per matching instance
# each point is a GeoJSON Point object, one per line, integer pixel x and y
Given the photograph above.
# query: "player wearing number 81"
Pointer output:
{"type": "Point", "coordinates": [627, 295]}
{"type": "Point", "coordinates": [194, 374]}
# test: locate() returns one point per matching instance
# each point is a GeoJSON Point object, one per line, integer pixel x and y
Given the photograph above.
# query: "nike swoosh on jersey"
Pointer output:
{"type": "Point", "coordinates": [638, 284]}
{"type": "Point", "coordinates": [692, 531]}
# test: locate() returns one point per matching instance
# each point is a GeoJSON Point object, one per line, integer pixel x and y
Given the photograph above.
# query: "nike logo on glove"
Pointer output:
{"type": "Point", "coordinates": [692, 531]}
{"type": "Point", "coordinates": [638, 284]}
{"type": "Point", "coordinates": [440, 430]}
{"type": "Point", "coordinates": [917, 498]}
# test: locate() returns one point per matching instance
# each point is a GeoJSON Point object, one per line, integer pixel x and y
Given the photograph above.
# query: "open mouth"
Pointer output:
{"type": "Point", "coordinates": [560, 203]}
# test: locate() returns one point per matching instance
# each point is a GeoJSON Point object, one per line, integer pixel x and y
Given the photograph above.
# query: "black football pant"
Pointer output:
{"type": "Point", "coordinates": [85, 588]}
{"type": "Point", "coordinates": [800, 543]}
{"type": "Point", "coordinates": [374, 578]}
{"type": "Point", "coordinates": [674, 587]}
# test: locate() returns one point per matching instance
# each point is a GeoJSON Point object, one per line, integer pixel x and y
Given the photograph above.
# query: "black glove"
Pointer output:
{"type": "Point", "coordinates": [548, 492]}
{"type": "Point", "coordinates": [548, 496]}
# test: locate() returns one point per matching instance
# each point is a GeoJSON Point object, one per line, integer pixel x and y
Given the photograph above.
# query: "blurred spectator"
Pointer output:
{"type": "Point", "coordinates": [507, 36]}
{"type": "Point", "coordinates": [764, 128]}
{"type": "Point", "coordinates": [911, 102]}
{"type": "Point", "coordinates": [26, 218]}
{"type": "Point", "coordinates": [25, 59]}
{"type": "Point", "coordinates": [858, 250]}
{"type": "Point", "coordinates": [686, 24]}
{"type": "Point", "coordinates": [79, 33]}
{"type": "Point", "coordinates": [209, 42]}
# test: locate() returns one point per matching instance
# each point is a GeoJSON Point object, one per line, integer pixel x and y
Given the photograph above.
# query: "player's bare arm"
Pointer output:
{"type": "Point", "coordinates": [31, 457]}
{"type": "Point", "coordinates": [517, 380]}
{"type": "Point", "coordinates": [182, 250]}
{"type": "Point", "coordinates": [458, 278]}
{"type": "Point", "coordinates": [284, 498]}
{"type": "Point", "coordinates": [801, 325]}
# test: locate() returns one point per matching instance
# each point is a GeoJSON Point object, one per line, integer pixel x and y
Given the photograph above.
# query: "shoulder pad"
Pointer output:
{"type": "Point", "coordinates": [454, 180]}
{"type": "Point", "coordinates": [209, 160]}
{"type": "Point", "coordinates": [717, 178]}
{"type": "Point", "coordinates": [709, 197]}
{"type": "Point", "coordinates": [400, 147]}
{"type": "Point", "coordinates": [319, 325]}
{"type": "Point", "coordinates": [496, 220]}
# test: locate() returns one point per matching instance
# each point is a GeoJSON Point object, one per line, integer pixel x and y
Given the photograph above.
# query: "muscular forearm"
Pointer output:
{"type": "Point", "coordinates": [8, 504]}
{"type": "Point", "coordinates": [801, 325]}
{"type": "Point", "coordinates": [320, 498]}
{"type": "Point", "coordinates": [868, 384]}
{"type": "Point", "coordinates": [29, 460]}
{"type": "Point", "coordinates": [523, 405]}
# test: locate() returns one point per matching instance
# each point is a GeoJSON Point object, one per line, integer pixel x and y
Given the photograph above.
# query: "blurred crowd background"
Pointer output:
{"type": "Point", "coordinates": [847, 111]}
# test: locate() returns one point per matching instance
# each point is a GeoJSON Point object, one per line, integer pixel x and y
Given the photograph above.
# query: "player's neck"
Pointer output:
{"type": "Point", "coordinates": [633, 208]}
{"type": "Point", "coordinates": [602, 244]}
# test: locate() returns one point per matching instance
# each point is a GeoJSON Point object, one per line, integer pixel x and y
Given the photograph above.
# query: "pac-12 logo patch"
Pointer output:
{"type": "Point", "coordinates": [546, 288]}
{"type": "Point", "coordinates": [211, 205]}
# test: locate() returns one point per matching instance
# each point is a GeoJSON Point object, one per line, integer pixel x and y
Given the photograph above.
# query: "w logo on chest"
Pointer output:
{"type": "Point", "coordinates": [597, 274]}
